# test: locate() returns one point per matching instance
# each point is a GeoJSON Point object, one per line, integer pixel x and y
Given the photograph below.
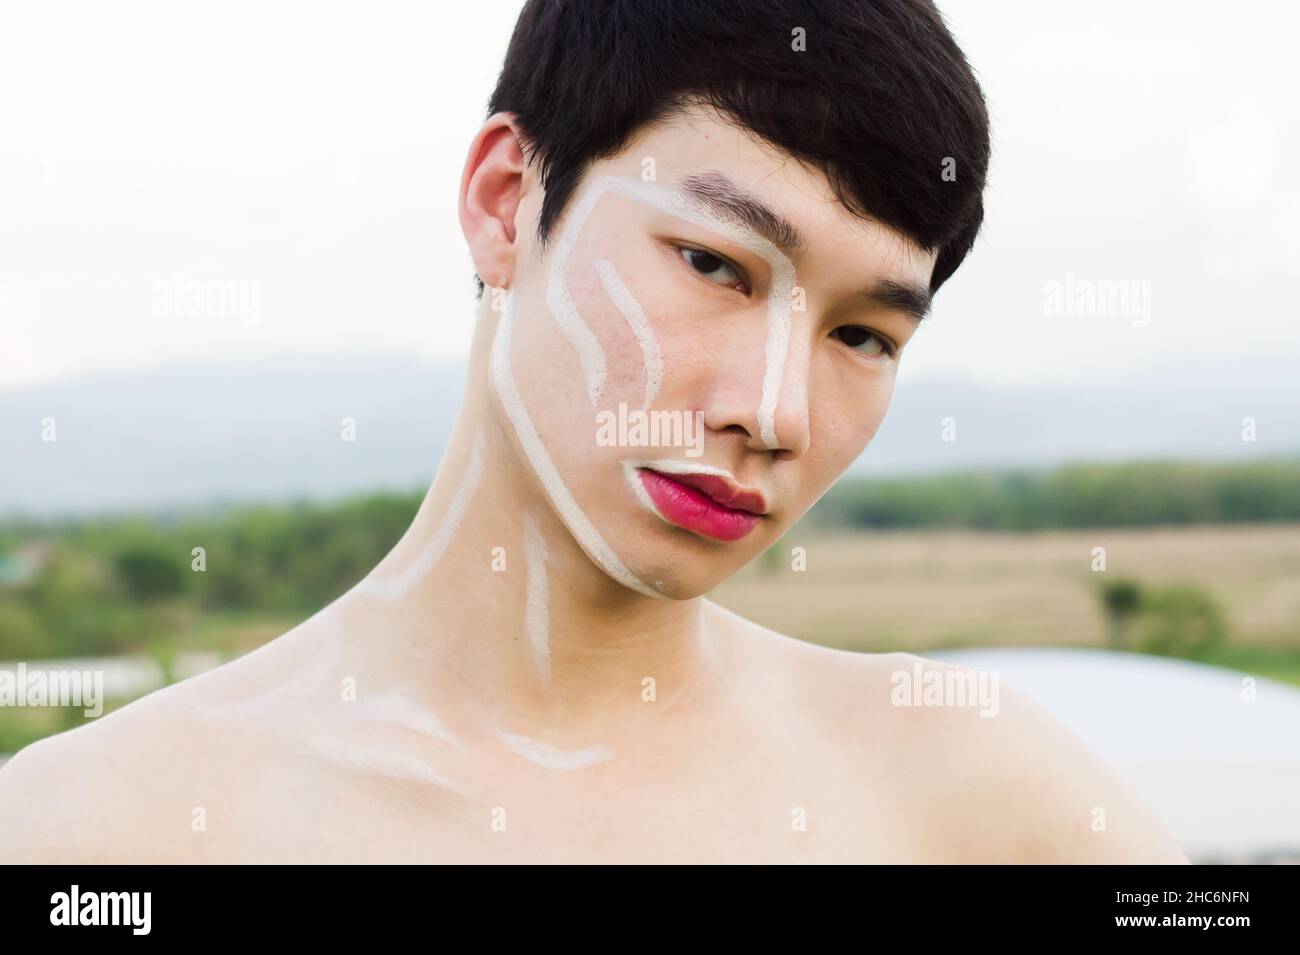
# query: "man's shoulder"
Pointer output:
{"type": "Point", "coordinates": [990, 774]}
{"type": "Point", "coordinates": [1004, 780]}
{"type": "Point", "coordinates": [103, 791]}
{"type": "Point", "coordinates": [139, 782]}
{"type": "Point", "coordinates": [836, 689]}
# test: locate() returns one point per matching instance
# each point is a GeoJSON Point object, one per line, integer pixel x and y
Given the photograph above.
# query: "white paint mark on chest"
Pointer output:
{"type": "Point", "coordinates": [552, 757]}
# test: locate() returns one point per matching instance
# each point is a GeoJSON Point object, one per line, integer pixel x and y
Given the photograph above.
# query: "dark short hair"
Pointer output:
{"type": "Point", "coordinates": [880, 99]}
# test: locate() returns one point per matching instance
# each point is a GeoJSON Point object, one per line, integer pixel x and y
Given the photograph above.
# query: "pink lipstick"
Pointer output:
{"type": "Point", "coordinates": [708, 504]}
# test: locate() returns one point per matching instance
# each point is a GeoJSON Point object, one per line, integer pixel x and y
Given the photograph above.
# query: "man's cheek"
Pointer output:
{"type": "Point", "coordinates": [631, 324]}
{"type": "Point", "coordinates": [834, 449]}
{"type": "Point", "coordinates": [627, 372]}
{"type": "Point", "coordinates": [547, 372]}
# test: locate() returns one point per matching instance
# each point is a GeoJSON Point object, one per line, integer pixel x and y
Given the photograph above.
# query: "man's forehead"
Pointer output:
{"type": "Point", "coordinates": [709, 155]}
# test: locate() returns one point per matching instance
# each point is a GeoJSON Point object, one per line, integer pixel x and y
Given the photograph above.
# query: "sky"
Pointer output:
{"type": "Point", "coordinates": [306, 158]}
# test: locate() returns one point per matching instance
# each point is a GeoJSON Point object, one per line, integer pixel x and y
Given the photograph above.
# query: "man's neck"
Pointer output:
{"type": "Point", "coordinates": [502, 618]}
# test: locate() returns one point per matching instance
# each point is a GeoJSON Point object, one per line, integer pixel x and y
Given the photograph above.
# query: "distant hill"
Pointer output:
{"type": "Point", "coordinates": [208, 434]}
{"type": "Point", "coordinates": [225, 432]}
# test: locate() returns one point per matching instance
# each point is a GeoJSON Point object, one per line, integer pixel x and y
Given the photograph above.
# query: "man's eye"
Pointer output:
{"type": "Point", "coordinates": [863, 340]}
{"type": "Point", "coordinates": [713, 268]}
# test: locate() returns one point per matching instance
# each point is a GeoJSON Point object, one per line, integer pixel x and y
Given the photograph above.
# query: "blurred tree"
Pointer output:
{"type": "Point", "coordinates": [72, 594]}
{"type": "Point", "coordinates": [1121, 599]}
{"type": "Point", "coordinates": [1181, 621]}
{"type": "Point", "coordinates": [149, 572]}
{"type": "Point", "coordinates": [22, 637]}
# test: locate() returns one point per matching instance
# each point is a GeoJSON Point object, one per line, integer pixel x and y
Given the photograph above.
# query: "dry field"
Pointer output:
{"type": "Point", "coordinates": [920, 590]}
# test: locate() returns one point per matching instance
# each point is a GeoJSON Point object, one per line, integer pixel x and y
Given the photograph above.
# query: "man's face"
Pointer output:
{"type": "Point", "coordinates": [707, 341]}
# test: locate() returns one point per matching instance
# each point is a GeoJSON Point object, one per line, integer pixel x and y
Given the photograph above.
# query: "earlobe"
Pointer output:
{"type": "Point", "coordinates": [491, 188]}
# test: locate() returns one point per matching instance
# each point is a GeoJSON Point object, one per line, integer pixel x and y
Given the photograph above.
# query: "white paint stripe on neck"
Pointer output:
{"type": "Point", "coordinates": [579, 525]}
{"type": "Point", "coordinates": [536, 598]}
{"type": "Point", "coordinates": [634, 315]}
{"type": "Point", "coordinates": [552, 757]}
{"type": "Point", "coordinates": [441, 539]}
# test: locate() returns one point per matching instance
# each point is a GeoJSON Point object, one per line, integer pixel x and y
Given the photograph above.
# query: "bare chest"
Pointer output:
{"type": "Point", "coordinates": [764, 806]}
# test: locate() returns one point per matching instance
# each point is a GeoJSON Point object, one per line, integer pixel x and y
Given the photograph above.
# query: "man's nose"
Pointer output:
{"type": "Point", "coordinates": [736, 400]}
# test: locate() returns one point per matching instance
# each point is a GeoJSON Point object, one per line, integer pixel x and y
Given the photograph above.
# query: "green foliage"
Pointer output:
{"type": "Point", "coordinates": [1182, 620]}
{"type": "Point", "coordinates": [150, 572]}
{"type": "Point", "coordinates": [22, 633]}
{"type": "Point", "coordinates": [295, 559]}
{"type": "Point", "coordinates": [1140, 494]}
{"type": "Point", "coordinates": [128, 585]}
{"type": "Point", "coordinates": [1122, 599]}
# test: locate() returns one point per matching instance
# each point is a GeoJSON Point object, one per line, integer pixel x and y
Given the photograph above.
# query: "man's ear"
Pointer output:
{"type": "Point", "coordinates": [491, 187]}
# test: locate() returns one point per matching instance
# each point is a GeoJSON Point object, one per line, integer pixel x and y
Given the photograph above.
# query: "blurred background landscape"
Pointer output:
{"type": "Point", "coordinates": [203, 276]}
{"type": "Point", "coordinates": [1202, 562]}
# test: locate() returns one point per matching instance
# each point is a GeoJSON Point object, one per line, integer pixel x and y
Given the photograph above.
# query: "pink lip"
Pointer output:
{"type": "Point", "coordinates": [704, 503]}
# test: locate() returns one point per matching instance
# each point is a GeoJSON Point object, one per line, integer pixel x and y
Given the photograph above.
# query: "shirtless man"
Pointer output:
{"type": "Point", "coordinates": [533, 673]}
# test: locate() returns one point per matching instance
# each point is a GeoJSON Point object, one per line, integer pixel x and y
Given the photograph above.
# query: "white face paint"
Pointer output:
{"type": "Point", "coordinates": [552, 757]}
{"type": "Point", "coordinates": [536, 611]}
{"type": "Point", "coordinates": [580, 336]}
{"type": "Point", "coordinates": [419, 568]}
{"type": "Point", "coordinates": [592, 357]}
{"type": "Point", "coordinates": [588, 538]}
{"type": "Point", "coordinates": [683, 206]}
{"type": "Point", "coordinates": [634, 315]}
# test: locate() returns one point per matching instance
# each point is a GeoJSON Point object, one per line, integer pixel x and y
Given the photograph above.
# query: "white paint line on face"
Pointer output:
{"type": "Point", "coordinates": [665, 466]}
{"type": "Point", "coordinates": [396, 709]}
{"type": "Point", "coordinates": [638, 490]}
{"type": "Point", "coordinates": [580, 336]}
{"type": "Point", "coordinates": [437, 545]}
{"type": "Point", "coordinates": [779, 302]}
{"type": "Point", "coordinates": [379, 762]}
{"type": "Point", "coordinates": [575, 520]}
{"type": "Point", "coordinates": [677, 466]}
{"type": "Point", "coordinates": [634, 315]}
{"type": "Point", "coordinates": [536, 609]}
{"type": "Point", "coordinates": [552, 757]}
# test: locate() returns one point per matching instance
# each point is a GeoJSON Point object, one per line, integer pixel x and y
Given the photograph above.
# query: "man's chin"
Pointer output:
{"type": "Point", "coordinates": [676, 580]}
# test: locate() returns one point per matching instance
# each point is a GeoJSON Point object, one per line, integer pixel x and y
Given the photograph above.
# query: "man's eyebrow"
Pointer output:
{"type": "Point", "coordinates": [716, 190]}
{"type": "Point", "coordinates": [913, 300]}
